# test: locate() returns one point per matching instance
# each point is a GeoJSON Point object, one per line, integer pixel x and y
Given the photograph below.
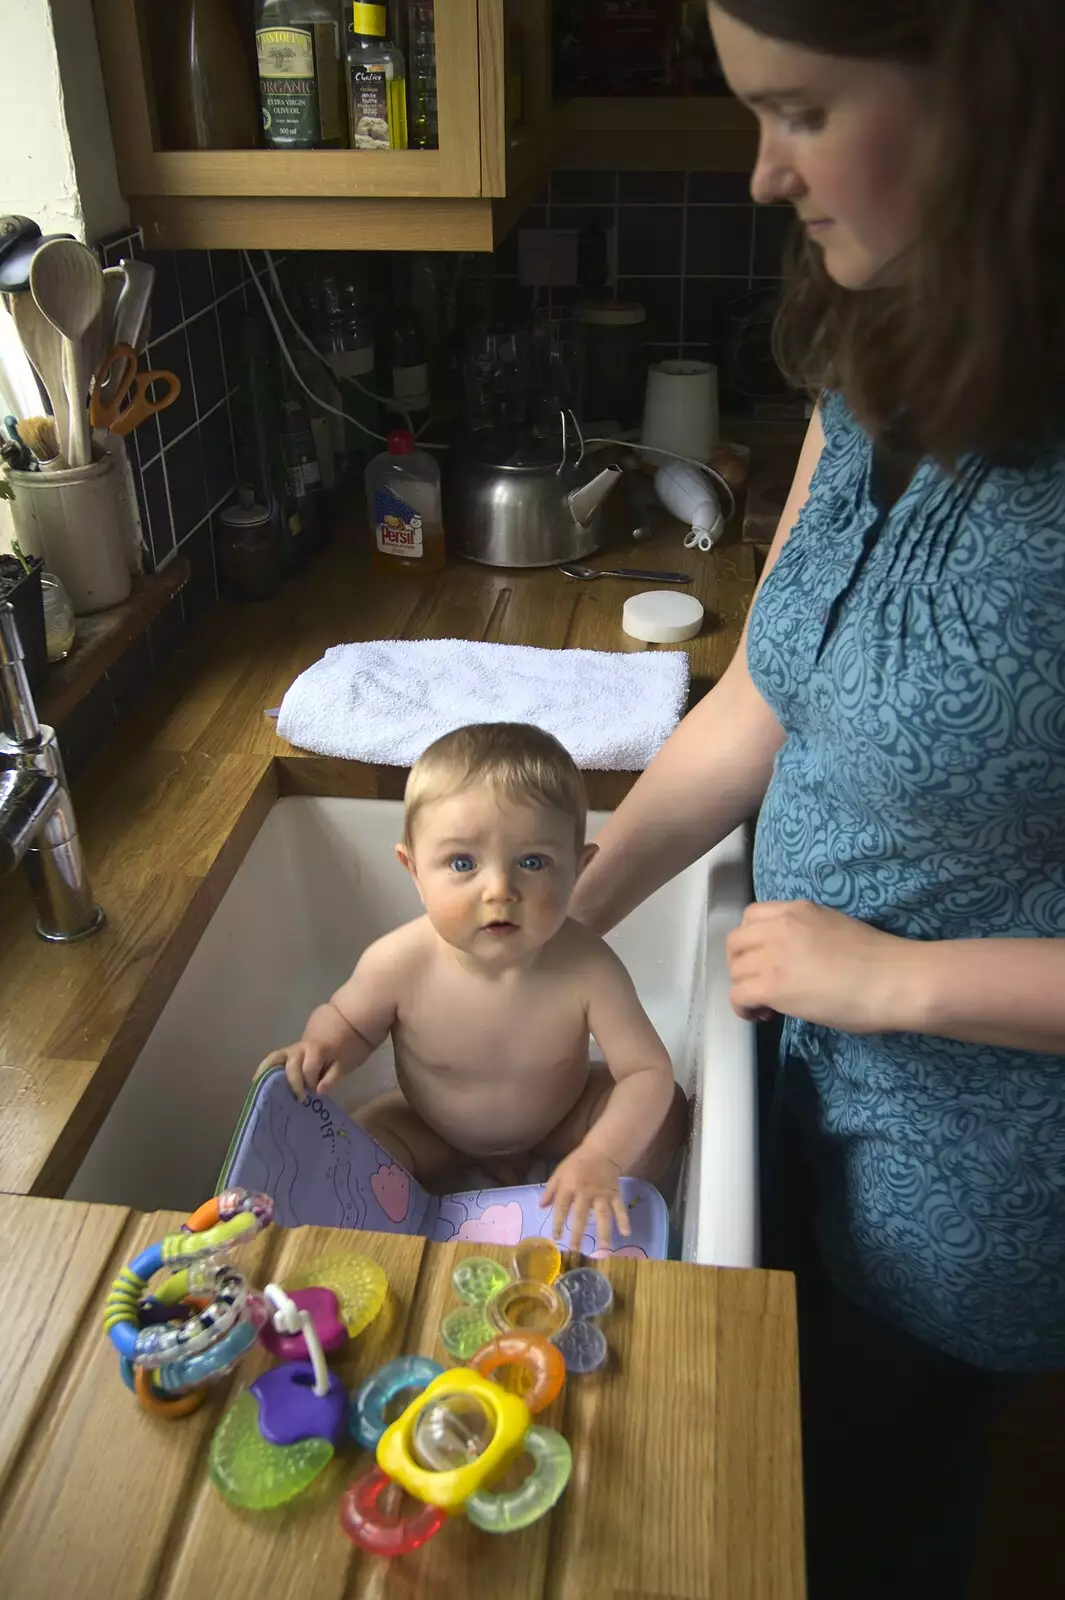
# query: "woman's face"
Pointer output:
{"type": "Point", "coordinates": [846, 141]}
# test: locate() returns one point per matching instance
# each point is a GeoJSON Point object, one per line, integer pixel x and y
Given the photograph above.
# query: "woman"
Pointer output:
{"type": "Point", "coordinates": [897, 711]}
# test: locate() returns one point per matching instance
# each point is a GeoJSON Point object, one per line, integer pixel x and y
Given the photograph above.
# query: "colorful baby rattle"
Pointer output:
{"type": "Point", "coordinates": [460, 1432]}
{"type": "Point", "coordinates": [534, 1296]}
{"type": "Point", "coordinates": [198, 1324]}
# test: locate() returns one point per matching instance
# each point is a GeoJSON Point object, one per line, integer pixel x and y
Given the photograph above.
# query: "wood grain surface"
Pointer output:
{"type": "Point", "coordinates": [686, 1478]}
{"type": "Point", "coordinates": [171, 803]}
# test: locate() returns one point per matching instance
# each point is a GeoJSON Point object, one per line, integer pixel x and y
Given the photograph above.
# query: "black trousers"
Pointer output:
{"type": "Point", "coordinates": [895, 1434]}
{"type": "Point", "coordinates": [895, 1454]}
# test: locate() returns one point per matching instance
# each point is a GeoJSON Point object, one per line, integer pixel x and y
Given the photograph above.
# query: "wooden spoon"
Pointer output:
{"type": "Point", "coordinates": [67, 282]}
{"type": "Point", "coordinates": [44, 350]}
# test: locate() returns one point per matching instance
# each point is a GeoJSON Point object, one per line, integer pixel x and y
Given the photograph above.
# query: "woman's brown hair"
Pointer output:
{"type": "Point", "coordinates": [970, 349]}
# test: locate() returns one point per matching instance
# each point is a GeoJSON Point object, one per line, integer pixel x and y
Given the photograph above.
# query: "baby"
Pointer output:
{"type": "Point", "coordinates": [490, 996]}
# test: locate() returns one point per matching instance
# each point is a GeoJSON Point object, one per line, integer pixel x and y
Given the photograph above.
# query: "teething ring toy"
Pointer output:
{"type": "Point", "coordinates": [377, 1534]}
{"type": "Point", "coordinates": [506, 1421]}
{"type": "Point", "coordinates": [172, 1406]}
{"type": "Point", "coordinates": [540, 1359]}
{"type": "Point", "coordinates": [453, 1440]}
{"type": "Point", "coordinates": [519, 1508]}
{"type": "Point", "coordinates": [213, 1338]}
{"type": "Point", "coordinates": [157, 1346]}
{"type": "Point", "coordinates": [371, 1401]}
{"type": "Point", "coordinates": [528, 1305]}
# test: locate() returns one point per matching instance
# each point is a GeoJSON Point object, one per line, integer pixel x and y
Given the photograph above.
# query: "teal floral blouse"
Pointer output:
{"type": "Point", "coordinates": [916, 661]}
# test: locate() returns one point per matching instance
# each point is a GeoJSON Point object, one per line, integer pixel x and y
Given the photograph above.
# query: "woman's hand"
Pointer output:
{"type": "Point", "coordinates": [586, 1182]}
{"type": "Point", "coordinates": [805, 961]}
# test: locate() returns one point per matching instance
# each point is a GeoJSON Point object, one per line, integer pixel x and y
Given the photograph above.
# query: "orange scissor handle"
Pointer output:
{"type": "Point", "coordinates": [136, 385]}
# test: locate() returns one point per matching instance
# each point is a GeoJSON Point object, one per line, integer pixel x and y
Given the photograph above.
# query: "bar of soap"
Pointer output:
{"type": "Point", "coordinates": [661, 617]}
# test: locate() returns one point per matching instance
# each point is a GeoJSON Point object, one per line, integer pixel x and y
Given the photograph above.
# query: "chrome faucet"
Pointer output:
{"type": "Point", "coordinates": [37, 824]}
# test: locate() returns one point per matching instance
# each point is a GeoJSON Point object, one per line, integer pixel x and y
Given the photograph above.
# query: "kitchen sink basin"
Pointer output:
{"type": "Point", "coordinates": [318, 884]}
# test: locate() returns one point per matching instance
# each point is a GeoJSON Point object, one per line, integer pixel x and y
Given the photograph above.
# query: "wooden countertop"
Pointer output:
{"type": "Point", "coordinates": [686, 1477]}
{"type": "Point", "coordinates": [171, 803]}
{"type": "Point", "coordinates": [774, 448]}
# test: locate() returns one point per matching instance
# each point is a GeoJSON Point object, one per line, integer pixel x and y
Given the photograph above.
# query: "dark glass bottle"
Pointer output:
{"type": "Point", "coordinates": [301, 74]}
{"type": "Point", "coordinates": [303, 478]}
{"type": "Point", "coordinates": [210, 103]}
{"type": "Point", "coordinates": [406, 351]}
{"type": "Point", "coordinates": [353, 360]}
{"type": "Point", "coordinates": [261, 476]}
{"type": "Point", "coordinates": [421, 48]}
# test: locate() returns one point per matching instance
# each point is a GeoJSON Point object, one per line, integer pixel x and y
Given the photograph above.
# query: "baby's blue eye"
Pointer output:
{"type": "Point", "coordinates": [461, 863]}
{"type": "Point", "coordinates": [533, 863]}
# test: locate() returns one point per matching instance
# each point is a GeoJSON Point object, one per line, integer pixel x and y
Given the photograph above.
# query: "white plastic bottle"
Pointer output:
{"type": "Point", "coordinates": [690, 496]}
{"type": "Point", "coordinates": [403, 500]}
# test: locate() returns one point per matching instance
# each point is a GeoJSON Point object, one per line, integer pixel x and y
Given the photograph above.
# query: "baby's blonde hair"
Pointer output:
{"type": "Point", "coordinates": [513, 760]}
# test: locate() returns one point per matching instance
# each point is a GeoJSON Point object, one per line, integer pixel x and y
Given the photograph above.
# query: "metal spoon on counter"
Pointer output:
{"type": "Point", "coordinates": [573, 570]}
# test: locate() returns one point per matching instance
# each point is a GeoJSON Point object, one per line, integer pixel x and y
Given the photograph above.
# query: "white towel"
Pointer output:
{"type": "Point", "coordinates": [384, 702]}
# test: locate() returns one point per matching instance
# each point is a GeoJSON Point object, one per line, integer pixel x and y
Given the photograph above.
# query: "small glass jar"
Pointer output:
{"type": "Point", "coordinates": [59, 627]}
{"type": "Point", "coordinates": [248, 552]}
{"type": "Point", "coordinates": [614, 366]}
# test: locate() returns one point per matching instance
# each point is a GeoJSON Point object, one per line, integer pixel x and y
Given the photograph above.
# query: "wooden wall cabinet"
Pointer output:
{"type": "Point", "coordinates": [490, 54]}
{"type": "Point", "coordinates": [501, 134]}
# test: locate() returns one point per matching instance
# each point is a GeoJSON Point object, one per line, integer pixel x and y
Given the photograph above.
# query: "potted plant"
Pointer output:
{"type": "Point", "coordinates": [20, 585]}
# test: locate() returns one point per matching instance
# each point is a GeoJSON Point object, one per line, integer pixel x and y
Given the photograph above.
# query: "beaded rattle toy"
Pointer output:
{"type": "Point", "coordinates": [455, 1436]}
{"type": "Point", "coordinates": [204, 1317]}
{"type": "Point", "coordinates": [535, 1296]}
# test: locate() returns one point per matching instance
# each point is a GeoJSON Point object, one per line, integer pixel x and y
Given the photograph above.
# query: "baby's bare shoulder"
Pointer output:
{"type": "Point", "coordinates": [400, 951]}
{"type": "Point", "coordinates": [581, 952]}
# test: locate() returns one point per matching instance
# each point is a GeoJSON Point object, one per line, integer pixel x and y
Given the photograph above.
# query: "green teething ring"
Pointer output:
{"type": "Point", "coordinates": [507, 1513]}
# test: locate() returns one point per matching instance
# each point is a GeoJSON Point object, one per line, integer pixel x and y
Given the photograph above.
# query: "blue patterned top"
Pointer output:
{"type": "Point", "coordinates": [916, 661]}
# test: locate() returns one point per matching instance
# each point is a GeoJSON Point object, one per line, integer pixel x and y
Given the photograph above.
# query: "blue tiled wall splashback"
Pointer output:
{"type": "Point", "coordinates": [182, 463]}
{"type": "Point", "coordinates": [183, 459]}
{"type": "Point", "coordinates": [692, 248]}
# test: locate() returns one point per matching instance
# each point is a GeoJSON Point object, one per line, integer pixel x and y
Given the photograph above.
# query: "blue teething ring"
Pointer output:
{"type": "Point", "coordinates": [201, 1367]}
{"type": "Point", "coordinates": [367, 1418]}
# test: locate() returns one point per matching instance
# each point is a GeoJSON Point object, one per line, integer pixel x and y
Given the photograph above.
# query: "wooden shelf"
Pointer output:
{"type": "Point", "coordinates": [321, 222]}
{"type": "Point", "coordinates": [103, 638]}
{"type": "Point", "coordinates": [712, 134]}
{"type": "Point", "coordinates": [384, 174]}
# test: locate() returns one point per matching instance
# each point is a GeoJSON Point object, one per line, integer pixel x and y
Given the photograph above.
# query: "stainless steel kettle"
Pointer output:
{"type": "Point", "coordinates": [532, 504]}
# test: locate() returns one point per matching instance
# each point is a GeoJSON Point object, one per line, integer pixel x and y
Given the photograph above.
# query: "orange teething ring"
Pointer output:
{"type": "Point", "coordinates": [543, 1360]}
{"type": "Point", "coordinates": [204, 1217]}
{"type": "Point", "coordinates": [163, 1405]}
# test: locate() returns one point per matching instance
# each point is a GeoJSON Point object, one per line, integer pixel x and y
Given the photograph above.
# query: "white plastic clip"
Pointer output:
{"type": "Point", "coordinates": [288, 1318]}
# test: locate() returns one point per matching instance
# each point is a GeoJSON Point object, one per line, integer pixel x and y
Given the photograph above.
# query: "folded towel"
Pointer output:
{"type": "Point", "coordinates": [385, 701]}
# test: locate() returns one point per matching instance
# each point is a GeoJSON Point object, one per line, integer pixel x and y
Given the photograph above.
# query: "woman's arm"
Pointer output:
{"type": "Point", "coordinates": [709, 776]}
{"type": "Point", "coordinates": [1008, 992]}
{"type": "Point", "coordinates": [810, 962]}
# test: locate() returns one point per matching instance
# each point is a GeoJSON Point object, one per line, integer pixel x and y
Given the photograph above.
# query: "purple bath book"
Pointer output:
{"type": "Point", "coordinates": [323, 1169]}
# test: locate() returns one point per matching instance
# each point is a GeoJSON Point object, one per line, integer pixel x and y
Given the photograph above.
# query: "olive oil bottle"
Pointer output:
{"type": "Point", "coordinates": [301, 74]}
{"type": "Point", "coordinates": [377, 89]}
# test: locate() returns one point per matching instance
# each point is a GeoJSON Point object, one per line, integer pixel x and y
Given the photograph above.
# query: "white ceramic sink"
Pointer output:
{"type": "Point", "coordinates": [319, 883]}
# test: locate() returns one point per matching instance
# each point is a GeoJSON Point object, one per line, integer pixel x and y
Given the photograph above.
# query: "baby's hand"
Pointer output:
{"type": "Point", "coordinates": [307, 1067]}
{"type": "Point", "coordinates": [586, 1182]}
